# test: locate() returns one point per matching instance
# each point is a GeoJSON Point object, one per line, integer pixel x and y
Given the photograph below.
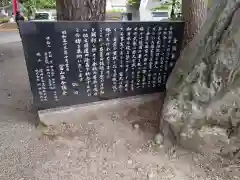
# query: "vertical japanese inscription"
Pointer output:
{"type": "Point", "coordinates": [95, 83]}
{"type": "Point", "coordinates": [122, 59]}
{"type": "Point", "coordinates": [114, 63]}
{"type": "Point", "coordinates": [108, 33]}
{"type": "Point", "coordinates": [79, 54]}
{"type": "Point", "coordinates": [160, 55]}
{"type": "Point", "coordinates": [101, 61]}
{"type": "Point", "coordinates": [50, 71]}
{"type": "Point", "coordinates": [139, 58]}
{"type": "Point", "coordinates": [134, 58]}
{"type": "Point", "coordinates": [65, 49]}
{"type": "Point", "coordinates": [153, 64]}
{"type": "Point", "coordinates": [41, 85]}
{"type": "Point", "coordinates": [148, 56]}
{"type": "Point", "coordinates": [127, 58]}
{"type": "Point", "coordinates": [169, 49]}
{"type": "Point", "coordinates": [157, 56]}
{"type": "Point", "coordinates": [63, 68]}
{"type": "Point", "coordinates": [79, 62]}
{"type": "Point", "coordinates": [151, 56]}
{"type": "Point", "coordinates": [165, 53]}
{"type": "Point", "coordinates": [173, 49]}
{"type": "Point", "coordinates": [86, 58]}
{"type": "Point", "coordinates": [145, 58]}
{"type": "Point", "coordinates": [63, 81]}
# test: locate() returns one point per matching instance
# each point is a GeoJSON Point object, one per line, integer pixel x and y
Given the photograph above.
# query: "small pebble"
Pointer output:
{"type": "Point", "coordinates": [92, 155]}
{"type": "Point", "coordinates": [76, 138]}
{"type": "Point", "coordinates": [150, 175]}
{"type": "Point", "coordinates": [104, 172]}
{"type": "Point", "coordinates": [113, 165]}
{"type": "Point", "coordinates": [158, 138]}
{"type": "Point", "coordinates": [130, 161]}
{"type": "Point", "coordinates": [105, 163]}
{"type": "Point", "coordinates": [139, 169]}
{"type": "Point", "coordinates": [139, 150]}
{"type": "Point", "coordinates": [69, 153]}
{"type": "Point", "coordinates": [136, 126]}
{"type": "Point", "coordinates": [183, 134]}
{"type": "Point", "coordinates": [195, 159]}
{"type": "Point", "coordinates": [161, 146]}
{"type": "Point", "coordinates": [174, 155]}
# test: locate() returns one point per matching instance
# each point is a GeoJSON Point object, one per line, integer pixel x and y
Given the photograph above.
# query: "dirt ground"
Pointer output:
{"type": "Point", "coordinates": [107, 146]}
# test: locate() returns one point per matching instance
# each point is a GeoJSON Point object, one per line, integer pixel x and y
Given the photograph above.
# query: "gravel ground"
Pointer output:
{"type": "Point", "coordinates": [105, 147]}
{"type": "Point", "coordinates": [8, 37]}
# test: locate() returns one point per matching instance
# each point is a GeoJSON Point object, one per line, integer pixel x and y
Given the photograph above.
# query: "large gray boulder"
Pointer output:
{"type": "Point", "coordinates": [202, 104]}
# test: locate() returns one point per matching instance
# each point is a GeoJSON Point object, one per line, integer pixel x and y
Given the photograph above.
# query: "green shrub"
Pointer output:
{"type": "Point", "coordinates": [4, 20]}
{"type": "Point", "coordinates": [161, 8]}
{"type": "Point", "coordinates": [134, 3]}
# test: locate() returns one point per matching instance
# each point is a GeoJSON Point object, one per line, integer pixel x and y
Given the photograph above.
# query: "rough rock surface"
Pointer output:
{"type": "Point", "coordinates": [202, 104]}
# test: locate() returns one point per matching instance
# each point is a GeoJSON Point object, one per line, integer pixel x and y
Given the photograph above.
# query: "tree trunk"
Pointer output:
{"type": "Point", "coordinates": [194, 15]}
{"type": "Point", "coordinates": [203, 89]}
{"type": "Point", "coordinates": [83, 10]}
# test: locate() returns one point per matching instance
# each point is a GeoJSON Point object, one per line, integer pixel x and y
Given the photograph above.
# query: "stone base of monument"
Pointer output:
{"type": "Point", "coordinates": [146, 105]}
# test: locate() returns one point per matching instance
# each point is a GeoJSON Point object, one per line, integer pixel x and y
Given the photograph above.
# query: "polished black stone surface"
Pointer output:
{"type": "Point", "coordinates": [79, 62]}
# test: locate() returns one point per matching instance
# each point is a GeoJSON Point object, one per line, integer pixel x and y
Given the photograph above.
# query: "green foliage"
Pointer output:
{"type": "Point", "coordinates": [134, 3]}
{"type": "Point", "coordinates": [176, 9]}
{"type": "Point", "coordinates": [4, 20]}
{"type": "Point", "coordinates": [31, 5]}
{"type": "Point", "coordinates": [162, 7]}
{"type": "Point", "coordinates": [168, 3]}
{"type": "Point", "coordinates": [46, 4]}
{"type": "Point", "coordinates": [4, 3]}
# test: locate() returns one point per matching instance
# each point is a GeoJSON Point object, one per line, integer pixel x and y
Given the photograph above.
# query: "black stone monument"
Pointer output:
{"type": "Point", "coordinates": [73, 63]}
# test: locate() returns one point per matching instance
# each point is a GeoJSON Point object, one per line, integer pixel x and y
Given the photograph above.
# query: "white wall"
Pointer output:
{"type": "Point", "coordinates": [145, 9]}
{"type": "Point", "coordinates": [120, 5]}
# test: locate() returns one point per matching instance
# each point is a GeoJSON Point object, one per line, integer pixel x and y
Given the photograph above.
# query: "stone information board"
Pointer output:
{"type": "Point", "coordinates": [73, 63]}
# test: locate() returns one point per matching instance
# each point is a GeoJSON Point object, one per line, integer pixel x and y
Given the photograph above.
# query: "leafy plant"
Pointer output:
{"type": "Point", "coordinates": [162, 7]}
{"type": "Point", "coordinates": [134, 3]}
{"type": "Point", "coordinates": [176, 9]}
{"type": "Point", "coordinates": [31, 5]}
{"type": "Point", "coordinates": [4, 20]}
{"type": "Point", "coordinates": [46, 4]}
{"type": "Point", "coordinates": [4, 3]}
